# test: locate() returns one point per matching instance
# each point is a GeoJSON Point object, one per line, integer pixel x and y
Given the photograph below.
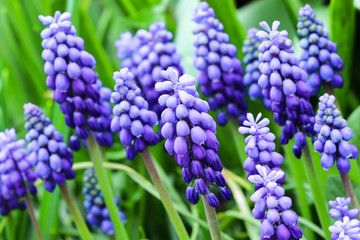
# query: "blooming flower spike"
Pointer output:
{"type": "Point", "coordinates": [340, 208]}
{"type": "Point", "coordinates": [220, 71]}
{"type": "Point", "coordinates": [70, 74]}
{"type": "Point", "coordinates": [97, 213]}
{"type": "Point", "coordinates": [16, 175]}
{"type": "Point", "coordinates": [272, 207]}
{"type": "Point", "coordinates": [49, 154]}
{"type": "Point", "coordinates": [333, 136]}
{"type": "Point", "coordinates": [284, 84]}
{"type": "Point", "coordinates": [133, 120]}
{"type": "Point", "coordinates": [145, 54]}
{"type": "Point", "coordinates": [346, 228]}
{"type": "Point", "coordinates": [190, 133]}
{"type": "Point", "coordinates": [319, 57]}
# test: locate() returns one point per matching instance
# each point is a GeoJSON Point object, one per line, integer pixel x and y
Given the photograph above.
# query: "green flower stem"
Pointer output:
{"type": "Point", "coordinates": [96, 156]}
{"type": "Point", "coordinates": [349, 190]}
{"type": "Point", "coordinates": [75, 212]}
{"type": "Point", "coordinates": [32, 217]}
{"type": "Point", "coordinates": [330, 90]}
{"type": "Point", "coordinates": [164, 196]}
{"type": "Point", "coordinates": [319, 199]}
{"type": "Point", "coordinates": [211, 219]}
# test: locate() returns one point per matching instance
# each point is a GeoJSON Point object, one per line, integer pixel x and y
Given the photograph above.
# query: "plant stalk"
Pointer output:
{"type": "Point", "coordinates": [32, 217]}
{"type": "Point", "coordinates": [75, 212]}
{"type": "Point", "coordinates": [320, 203]}
{"type": "Point", "coordinates": [97, 159]}
{"type": "Point", "coordinates": [349, 190]}
{"type": "Point", "coordinates": [212, 220]}
{"type": "Point", "coordinates": [164, 196]}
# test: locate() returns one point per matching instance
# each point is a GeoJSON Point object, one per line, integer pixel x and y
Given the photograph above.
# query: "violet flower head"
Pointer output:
{"type": "Point", "coordinates": [319, 57]}
{"type": "Point", "coordinates": [284, 84]}
{"type": "Point", "coordinates": [16, 175]}
{"type": "Point", "coordinates": [220, 71]}
{"type": "Point", "coordinates": [345, 229]}
{"type": "Point", "coordinates": [272, 207]}
{"type": "Point", "coordinates": [333, 136]}
{"type": "Point", "coordinates": [252, 72]}
{"type": "Point", "coordinates": [70, 74]}
{"type": "Point", "coordinates": [47, 150]}
{"type": "Point", "coordinates": [190, 136]}
{"type": "Point", "coordinates": [133, 120]}
{"type": "Point", "coordinates": [340, 208]}
{"type": "Point", "coordinates": [97, 214]}
{"type": "Point", "coordinates": [146, 54]}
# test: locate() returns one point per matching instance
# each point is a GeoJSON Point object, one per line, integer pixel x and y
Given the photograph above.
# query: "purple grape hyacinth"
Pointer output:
{"type": "Point", "coordinates": [345, 229]}
{"type": "Point", "coordinates": [190, 136]}
{"type": "Point", "coordinates": [333, 136]}
{"type": "Point", "coordinates": [49, 154]}
{"type": "Point", "coordinates": [133, 120]}
{"type": "Point", "coordinates": [98, 215]}
{"type": "Point", "coordinates": [220, 71]}
{"type": "Point", "coordinates": [252, 72]}
{"type": "Point", "coordinates": [146, 54]}
{"type": "Point", "coordinates": [319, 57]}
{"type": "Point", "coordinates": [70, 74]}
{"type": "Point", "coordinates": [284, 84]}
{"type": "Point", "coordinates": [340, 208]}
{"type": "Point", "coordinates": [272, 207]}
{"type": "Point", "coordinates": [16, 175]}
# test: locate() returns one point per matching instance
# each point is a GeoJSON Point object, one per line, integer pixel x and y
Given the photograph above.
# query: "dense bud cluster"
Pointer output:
{"type": "Point", "coordinates": [319, 57]}
{"type": "Point", "coordinates": [70, 74]}
{"type": "Point", "coordinates": [220, 71]}
{"type": "Point", "coordinates": [98, 215]}
{"type": "Point", "coordinates": [146, 54]}
{"type": "Point", "coordinates": [16, 175]}
{"type": "Point", "coordinates": [272, 207]}
{"type": "Point", "coordinates": [284, 84]}
{"type": "Point", "coordinates": [48, 152]}
{"type": "Point", "coordinates": [133, 120]}
{"type": "Point", "coordinates": [333, 136]}
{"type": "Point", "coordinates": [190, 136]}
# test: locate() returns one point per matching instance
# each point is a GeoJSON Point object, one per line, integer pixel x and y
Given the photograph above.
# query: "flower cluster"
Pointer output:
{"type": "Point", "coordinates": [190, 133]}
{"type": "Point", "coordinates": [133, 120]}
{"type": "Point", "coordinates": [340, 208]}
{"type": "Point", "coordinates": [346, 229]}
{"type": "Point", "coordinates": [220, 71]}
{"type": "Point", "coordinates": [70, 74]}
{"type": "Point", "coordinates": [252, 72]}
{"type": "Point", "coordinates": [98, 215]}
{"type": "Point", "coordinates": [146, 54]}
{"type": "Point", "coordinates": [49, 154]}
{"type": "Point", "coordinates": [333, 136]}
{"type": "Point", "coordinates": [284, 84]}
{"type": "Point", "coordinates": [272, 207]}
{"type": "Point", "coordinates": [16, 175]}
{"type": "Point", "coordinates": [319, 57]}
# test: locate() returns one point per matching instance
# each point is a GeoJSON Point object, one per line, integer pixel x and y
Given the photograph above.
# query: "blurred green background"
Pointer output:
{"type": "Point", "coordinates": [100, 22]}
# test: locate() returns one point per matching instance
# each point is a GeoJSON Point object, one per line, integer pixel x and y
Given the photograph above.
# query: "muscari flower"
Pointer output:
{"type": "Point", "coordinates": [319, 57]}
{"type": "Point", "coordinates": [16, 175]}
{"type": "Point", "coordinates": [133, 120]}
{"type": "Point", "coordinates": [98, 215]}
{"type": "Point", "coordinates": [220, 71]}
{"type": "Point", "coordinates": [70, 74]}
{"type": "Point", "coordinates": [340, 208]}
{"type": "Point", "coordinates": [190, 136]}
{"type": "Point", "coordinates": [333, 136]}
{"type": "Point", "coordinates": [146, 54]}
{"type": "Point", "coordinates": [47, 150]}
{"type": "Point", "coordinates": [284, 84]}
{"type": "Point", "coordinates": [345, 229]}
{"type": "Point", "coordinates": [272, 207]}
